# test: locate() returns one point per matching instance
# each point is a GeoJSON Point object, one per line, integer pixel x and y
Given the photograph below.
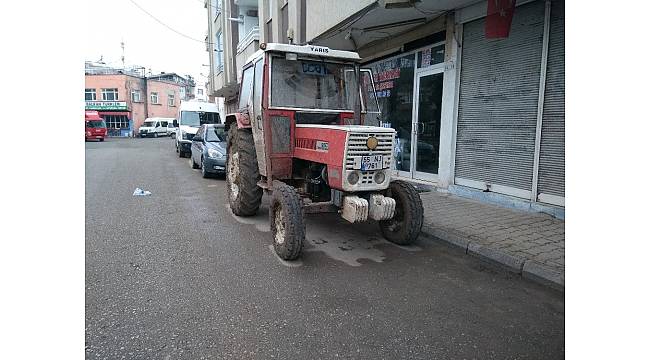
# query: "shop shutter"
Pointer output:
{"type": "Point", "coordinates": [551, 158]}
{"type": "Point", "coordinates": [497, 110]}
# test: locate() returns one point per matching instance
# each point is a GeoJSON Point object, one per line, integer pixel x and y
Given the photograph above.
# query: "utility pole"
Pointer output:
{"type": "Point", "coordinates": [122, 44]}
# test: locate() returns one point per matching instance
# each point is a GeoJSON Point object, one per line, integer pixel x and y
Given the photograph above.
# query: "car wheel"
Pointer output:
{"type": "Point", "coordinates": [194, 165]}
{"type": "Point", "coordinates": [155, 134]}
{"type": "Point", "coordinates": [204, 172]}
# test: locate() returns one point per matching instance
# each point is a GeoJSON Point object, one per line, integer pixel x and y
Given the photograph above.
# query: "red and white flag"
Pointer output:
{"type": "Point", "coordinates": [499, 18]}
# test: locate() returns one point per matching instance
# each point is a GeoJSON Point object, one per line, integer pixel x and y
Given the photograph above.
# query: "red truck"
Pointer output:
{"type": "Point", "coordinates": [95, 126]}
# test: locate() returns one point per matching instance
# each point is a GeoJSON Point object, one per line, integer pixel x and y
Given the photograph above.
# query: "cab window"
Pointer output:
{"type": "Point", "coordinates": [246, 87]}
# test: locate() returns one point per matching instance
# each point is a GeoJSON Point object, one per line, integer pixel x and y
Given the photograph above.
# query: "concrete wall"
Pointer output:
{"type": "Point", "coordinates": [163, 109]}
{"type": "Point", "coordinates": [323, 15]}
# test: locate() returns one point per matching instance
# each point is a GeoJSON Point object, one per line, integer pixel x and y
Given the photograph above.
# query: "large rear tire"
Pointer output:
{"type": "Point", "coordinates": [242, 174]}
{"type": "Point", "coordinates": [405, 226]}
{"type": "Point", "coordinates": [287, 221]}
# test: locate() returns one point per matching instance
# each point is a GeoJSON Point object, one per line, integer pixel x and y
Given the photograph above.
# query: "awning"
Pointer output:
{"type": "Point", "coordinates": [125, 113]}
{"type": "Point", "coordinates": [383, 20]}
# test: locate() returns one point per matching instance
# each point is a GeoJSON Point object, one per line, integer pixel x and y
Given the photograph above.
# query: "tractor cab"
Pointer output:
{"type": "Point", "coordinates": [300, 135]}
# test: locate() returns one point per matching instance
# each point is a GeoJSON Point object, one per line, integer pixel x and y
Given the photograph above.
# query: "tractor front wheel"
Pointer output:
{"type": "Point", "coordinates": [405, 226]}
{"type": "Point", "coordinates": [287, 221]}
{"type": "Point", "coordinates": [242, 174]}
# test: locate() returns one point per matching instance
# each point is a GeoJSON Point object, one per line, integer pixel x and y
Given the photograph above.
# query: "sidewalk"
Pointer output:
{"type": "Point", "coordinates": [525, 243]}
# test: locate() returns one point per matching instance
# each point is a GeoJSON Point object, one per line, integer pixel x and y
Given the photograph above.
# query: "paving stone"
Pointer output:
{"type": "Point", "coordinates": [495, 233]}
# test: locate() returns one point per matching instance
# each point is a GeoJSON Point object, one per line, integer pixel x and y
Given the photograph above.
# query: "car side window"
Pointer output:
{"type": "Point", "coordinates": [164, 124]}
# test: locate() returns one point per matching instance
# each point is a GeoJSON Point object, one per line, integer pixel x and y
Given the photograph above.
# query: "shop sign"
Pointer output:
{"type": "Point", "coordinates": [106, 105]}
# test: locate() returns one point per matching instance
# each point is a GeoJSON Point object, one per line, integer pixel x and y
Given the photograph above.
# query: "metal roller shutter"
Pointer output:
{"type": "Point", "coordinates": [497, 110]}
{"type": "Point", "coordinates": [551, 158]}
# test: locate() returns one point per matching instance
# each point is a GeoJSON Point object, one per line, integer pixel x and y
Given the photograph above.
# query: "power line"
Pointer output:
{"type": "Point", "coordinates": [169, 27]}
{"type": "Point", "coordinates": [212, 6]}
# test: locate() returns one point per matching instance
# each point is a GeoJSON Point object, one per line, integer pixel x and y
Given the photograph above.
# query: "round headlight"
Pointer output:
{"type": "Point", "coordinates": [353, 177]}
{"type": "Point", "coordinates": [380, 177]}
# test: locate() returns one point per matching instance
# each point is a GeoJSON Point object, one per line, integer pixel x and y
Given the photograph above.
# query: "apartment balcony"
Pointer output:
{"type": "Point", "coordinates": [222, 85]}
{"type": "Point", "coordinates": [247, 47]}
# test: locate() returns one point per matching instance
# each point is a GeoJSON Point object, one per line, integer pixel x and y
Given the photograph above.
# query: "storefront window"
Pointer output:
{"type": "Point", "coordinates": [431, 56]}
{"type": "Point", "coordinates": [394, 84]}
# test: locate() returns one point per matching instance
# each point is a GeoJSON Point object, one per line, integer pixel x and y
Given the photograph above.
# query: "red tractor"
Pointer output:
{"type": "Point", "coordinates": [299, 136]}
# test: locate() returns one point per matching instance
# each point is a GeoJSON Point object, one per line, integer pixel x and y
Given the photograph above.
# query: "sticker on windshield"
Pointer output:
{"type": "Point", "coordinates": [314, 69]}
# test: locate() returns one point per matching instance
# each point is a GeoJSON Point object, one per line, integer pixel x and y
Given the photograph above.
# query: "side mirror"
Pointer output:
{"type": "Point", "coordinates": [196, 138]}
{"type": "Point", "coordinates": [175, 123]}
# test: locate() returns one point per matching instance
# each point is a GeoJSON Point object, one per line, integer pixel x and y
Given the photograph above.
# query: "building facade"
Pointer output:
{"type": "Point", "coordinates": [474, 116]}
{"type": "Point", "coordinates": [125, 97]}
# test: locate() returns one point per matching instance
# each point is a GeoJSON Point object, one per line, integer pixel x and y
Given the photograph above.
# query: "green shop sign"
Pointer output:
{"type": "Point", "coordinates": [106, 105]}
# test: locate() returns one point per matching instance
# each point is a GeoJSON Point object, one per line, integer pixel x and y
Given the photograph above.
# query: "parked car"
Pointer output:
{"type": "Point", "coordinates": [95, 126]}
{"type": "Point", "coordinates": [154, 127]}
{"type": "Point", "coordinates": [208, 150]}
{"type": "Point", "coordinates": [171, 129]}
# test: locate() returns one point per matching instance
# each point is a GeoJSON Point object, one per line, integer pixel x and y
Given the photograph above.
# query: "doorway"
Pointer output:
{"type": "Point", "coordinates": [425, 143]}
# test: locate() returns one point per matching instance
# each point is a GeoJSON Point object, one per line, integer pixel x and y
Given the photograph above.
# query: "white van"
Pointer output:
{"type": "Point", "coordinates": [155, 127]}
{"type": "Point", "coordinates": [191, 115]}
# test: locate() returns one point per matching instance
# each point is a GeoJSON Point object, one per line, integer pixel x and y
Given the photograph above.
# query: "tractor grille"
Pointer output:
{"type": "Point", "coordinates": [357, 147]}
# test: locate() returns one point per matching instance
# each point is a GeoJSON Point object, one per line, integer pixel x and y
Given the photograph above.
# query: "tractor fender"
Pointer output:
{"type": "Point", "coordinates": [242, 120]}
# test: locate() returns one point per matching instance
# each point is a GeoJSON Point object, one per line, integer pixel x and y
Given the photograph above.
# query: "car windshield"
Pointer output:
{"type": "Point", "coordinates": [312, 84]}
{"type": "Point", "coordinates": [95, 124]}
{"type": "Point", "coordinates": [215, 134]}
{"type": "Point", "coordinates": [198, 118]}
{"type": "Point", "coordinates": [149, 123]}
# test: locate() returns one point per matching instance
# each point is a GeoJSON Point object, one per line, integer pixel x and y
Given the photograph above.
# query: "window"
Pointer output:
{"type": "Point", "coordinates": [163, 123]}
{"type": "Point", "coordinates": [215, 133]}
{"type": "Point", "coordinates": [91, 95]}
{"type": "Point", "coordinates": [199, 92]}
{"type": "Point", "coordinates": [116, 121]}
{"type": "Point", "coordinates": [109, 94]}
{"type": "Point", "coordinates": [196, 118]}
{"type": "Point", "coordinates": [170, 100]}
{"type": "Point", "coordinates": [246, 87]}
{"type": "Point", "coordinates": [154, 98]}
{"type": "Point", "coordinates": [312, 84]}
{"type": "Point", "coordinates": [257, 92]}
{"type": "Point", "coordinates": [136, 96]}
{"type": "Point", "coordinates": [219, 50]}
{"type": "Point", "coordinates": [95, 124]}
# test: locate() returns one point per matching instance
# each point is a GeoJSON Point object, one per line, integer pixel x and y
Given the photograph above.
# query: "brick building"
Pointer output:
{"type": "Point", "coordinates": [125, 98]}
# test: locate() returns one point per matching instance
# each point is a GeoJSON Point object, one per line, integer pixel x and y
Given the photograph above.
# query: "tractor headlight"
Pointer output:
{"type": "Point", "coordinates": [353, 177]}
{"type": "Point", "coordinates": [214, 154]}
{"type": "Point", "coordinates": [380, 177]}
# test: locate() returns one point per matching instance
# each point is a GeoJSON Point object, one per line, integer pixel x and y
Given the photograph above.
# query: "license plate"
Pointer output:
{"type": "Point", "coordinates": [372, 162]}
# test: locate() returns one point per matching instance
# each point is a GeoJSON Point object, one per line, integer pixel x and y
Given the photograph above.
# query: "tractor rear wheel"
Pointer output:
{"type": "Point", "coordinates": [405, 226]}
{"type": "Point", "coordinates": [287, 221]}
{"type": "Point", "coordinates": [242, 174]}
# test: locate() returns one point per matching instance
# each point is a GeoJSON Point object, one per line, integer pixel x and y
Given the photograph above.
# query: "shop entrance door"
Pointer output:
{"type": "Point", "coordinates": [425, 144]}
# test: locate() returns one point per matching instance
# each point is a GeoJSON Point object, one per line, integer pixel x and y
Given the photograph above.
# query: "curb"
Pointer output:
{"type": "Point", "coordinates": [528, 269]}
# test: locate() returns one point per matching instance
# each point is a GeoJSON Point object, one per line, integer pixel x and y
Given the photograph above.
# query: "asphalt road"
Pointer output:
{"type": "Point", "coordinates": [175, 275]}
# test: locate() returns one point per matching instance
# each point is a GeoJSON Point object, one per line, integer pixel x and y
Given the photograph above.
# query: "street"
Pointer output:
{"type": "Point", "coordinates": [175, 275]}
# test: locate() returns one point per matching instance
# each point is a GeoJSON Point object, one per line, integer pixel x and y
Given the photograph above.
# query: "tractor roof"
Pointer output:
{"type": "Point", "coordinates": [310, 50]}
